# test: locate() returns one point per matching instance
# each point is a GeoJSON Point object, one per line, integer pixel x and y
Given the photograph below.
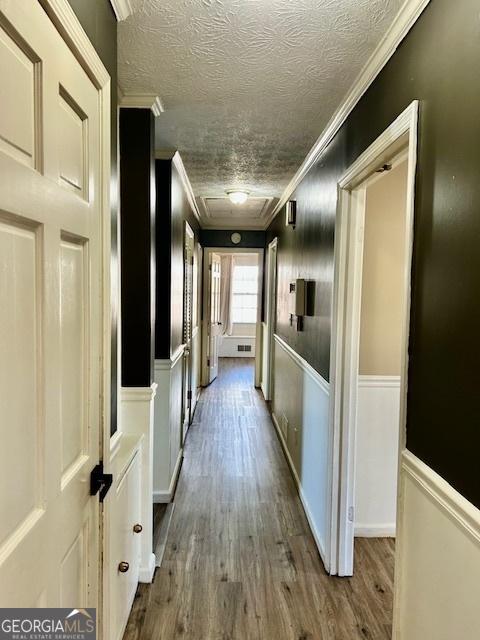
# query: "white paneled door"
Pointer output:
{"type": "Point", "coordinates": [50, 315]}
{"type": "Point", "coordinates": [215, 324]}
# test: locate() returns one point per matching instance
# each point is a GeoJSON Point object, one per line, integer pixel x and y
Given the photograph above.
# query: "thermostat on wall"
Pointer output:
{"type": "Point", "coordinates": [236, 238]}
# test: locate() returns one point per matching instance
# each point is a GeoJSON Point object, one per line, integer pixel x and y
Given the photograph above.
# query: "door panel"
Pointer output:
{"type": "Point", "coordinates": [50, 323]}
{"type": "Point", "coordinates": [215, 325]}
{"type": "Point", "coordinates": [188, 303]}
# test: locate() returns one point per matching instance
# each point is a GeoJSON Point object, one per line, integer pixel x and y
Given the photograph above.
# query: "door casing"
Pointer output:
{"type": "Point", "coordinates": [270, 317]}
{"type": "Point", "coordinates": [400, 136]}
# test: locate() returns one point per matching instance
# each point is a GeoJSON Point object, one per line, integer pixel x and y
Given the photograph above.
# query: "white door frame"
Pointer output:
{"type": "Point", "coordinates": [188, 236]}
{"type": "Point", "coordinates": [207, 251]}
{"type": "Point", "coordinates": [67, 24]}
{"type": "Point", "coordinates": [348, 255]}
{"type": "Point", "coordinates": [270, 311]}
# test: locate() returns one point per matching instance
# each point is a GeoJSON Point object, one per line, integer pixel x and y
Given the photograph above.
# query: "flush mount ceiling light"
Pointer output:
{"type": "Point", "coordinates": [237, 197]}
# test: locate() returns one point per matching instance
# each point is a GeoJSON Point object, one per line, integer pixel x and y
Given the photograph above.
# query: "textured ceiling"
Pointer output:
{"type": "Point", "coordinates": [247, 85]}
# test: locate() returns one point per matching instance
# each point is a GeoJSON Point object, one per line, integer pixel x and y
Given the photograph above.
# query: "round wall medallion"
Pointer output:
{"type": "Point", "coordinates": [236, 238]}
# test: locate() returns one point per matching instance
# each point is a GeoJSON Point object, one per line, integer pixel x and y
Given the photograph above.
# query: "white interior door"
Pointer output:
{"type": "Point", "coordinates": [189, 249]}
{"type": "Point", "coordinates": [271, 314]}
{"type": "Point", "coordinates": [214, 324]}
{"type": "Point", "coordinates": [50, 315]}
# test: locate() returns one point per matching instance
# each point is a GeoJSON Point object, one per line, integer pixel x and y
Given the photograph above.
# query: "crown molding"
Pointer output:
{"type": "Point", "coordinates": [122, 9]}
{"type": "Point", "coordinates": [65, 20]}
{"type": "Point", "coordinates": [174, 156]}
{"type": "Point", "coordinates": [178, 163]}
{"type": "Point", "coordinates": [141, 101]}
{"type": "Point", "coordinates": [165, 154]}
{"type": "Point", "coordinates": [409, 13]}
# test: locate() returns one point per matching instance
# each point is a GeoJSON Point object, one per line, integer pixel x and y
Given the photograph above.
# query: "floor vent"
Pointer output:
{"type": "Point", "coordinates": [244, 347]}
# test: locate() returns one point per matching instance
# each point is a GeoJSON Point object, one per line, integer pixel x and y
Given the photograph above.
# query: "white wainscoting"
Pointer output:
{"type": "Point", "coordinates": [196, 355]}
{"type": "Point", "coordinates": [137, 424]}
{"type": "Point", "coordinates": [376, 459]}
{"type": "Point", "coordinates": [300, 409]}
{"type": "Point", "coordinates": [229, 347]}
{"type": "Point", "coordinates": [167, 446]}
{"type": "Point", "coordinates": [263, 382]}
{"type": "Point", "coordinates": [438, 559]}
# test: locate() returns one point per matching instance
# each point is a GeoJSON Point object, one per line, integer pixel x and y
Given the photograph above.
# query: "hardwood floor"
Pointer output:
{"type": "Point", "coordinates": [240, 562]}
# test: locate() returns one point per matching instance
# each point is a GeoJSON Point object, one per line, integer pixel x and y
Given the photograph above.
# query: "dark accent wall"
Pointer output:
{"type": "Point", "coordinates": [437, 63]}
{"type": "Point", "coordinates": [172, 211]}
{"type": "Point", "coordinates": [100, 25]}
{"type": "Point", "coordinates": [137, 230]}
{"type": "Point", "coordinates": [221, 238]}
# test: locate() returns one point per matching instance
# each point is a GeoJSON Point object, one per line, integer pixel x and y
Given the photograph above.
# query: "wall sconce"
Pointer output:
{"type": "Point", "coordinates": [291, 213]}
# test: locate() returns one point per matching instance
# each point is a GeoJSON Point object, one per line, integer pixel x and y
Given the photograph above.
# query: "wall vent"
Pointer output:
{"type": "Point", "coordinates": [244, 347]}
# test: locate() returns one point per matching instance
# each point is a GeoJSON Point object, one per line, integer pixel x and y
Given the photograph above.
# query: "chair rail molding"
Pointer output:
{"type": "Point", "coordinates": [404, 21]}
{"type": "Point", "coordinates": [122, 9]}
{"type": "Point", "coordinates": [437, 561]}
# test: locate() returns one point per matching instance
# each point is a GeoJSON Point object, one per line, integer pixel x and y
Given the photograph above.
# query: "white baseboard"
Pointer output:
{"type": "Point", "coordinates": [306, 508]}
{"type": "Point", "coordinates": [163, 497]}
{"type": "Point", "coordinates": [145, 573]}
{"type": "Point", "coordinates": [375, 531]}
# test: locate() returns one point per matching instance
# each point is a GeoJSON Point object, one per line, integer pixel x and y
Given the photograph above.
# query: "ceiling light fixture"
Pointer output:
{"type": "Point", "coordinates": [237, 197]}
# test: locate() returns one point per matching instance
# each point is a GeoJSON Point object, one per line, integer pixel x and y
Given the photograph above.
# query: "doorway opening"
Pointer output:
{"type": "Point", "coordinates": [371, 307]}
{"type": "Point", "coordinates": [232, 310]}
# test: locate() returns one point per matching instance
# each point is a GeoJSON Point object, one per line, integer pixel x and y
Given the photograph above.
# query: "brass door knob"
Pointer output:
{"type": "Point", "coordinates": [137, 528]}
{"type": "Point", "coordinates": [123, 567]}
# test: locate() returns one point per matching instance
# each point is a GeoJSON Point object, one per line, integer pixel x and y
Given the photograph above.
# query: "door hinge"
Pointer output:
{"type": "Point", "coordinates": [208, 362]}
{"type": "Point", "coordinates": [189, 394]}
{"type": "Point", "coordinates": [351, 514]}
{"type": "Point", "coordinates": [100, 482]}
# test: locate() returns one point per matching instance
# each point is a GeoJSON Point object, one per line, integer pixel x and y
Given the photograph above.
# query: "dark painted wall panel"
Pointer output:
{"type": "Point", "coordinates": [438, 64]}
{"type": "Point", "coordinates": [137, 191]}
{"type": "Point", "coordinates": [221, 238]}
{"type": "Point", "coordinates": [172, 211]}
{"type": "Point", "coordinates": [163, 235]}
{"type": "Point", "coordinates": [100, 25]}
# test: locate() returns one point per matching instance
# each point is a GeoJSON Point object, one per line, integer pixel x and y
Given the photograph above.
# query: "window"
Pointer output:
{"type": "Point", "coordinates": [244, 294]}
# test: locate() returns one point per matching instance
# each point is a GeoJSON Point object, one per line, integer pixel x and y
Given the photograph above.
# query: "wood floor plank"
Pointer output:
{"type": "Point", "coordinates": [240, 562]}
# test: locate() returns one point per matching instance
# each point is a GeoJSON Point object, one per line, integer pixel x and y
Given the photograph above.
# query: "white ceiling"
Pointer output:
{"type": "Point", "coordinates": [247, 85]}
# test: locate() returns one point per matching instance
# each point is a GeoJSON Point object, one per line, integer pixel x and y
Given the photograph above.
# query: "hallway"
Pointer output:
{"type": "Point", "coordinates": [240, 561]}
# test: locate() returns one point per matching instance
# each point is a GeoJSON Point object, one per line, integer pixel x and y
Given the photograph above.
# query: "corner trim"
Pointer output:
{"type": "Point", "coordinates": [141, 101]}
{"type": "Point", "coordinates": [303, 364]}
{"type": "Point", "coordinates": [138, 394]}
{"type": "Point", "coordinates": [122, 9]}
{"type": "Point", "coordinates": [404, 21]}
{"type": "Point", "coordinates": [458, 509]}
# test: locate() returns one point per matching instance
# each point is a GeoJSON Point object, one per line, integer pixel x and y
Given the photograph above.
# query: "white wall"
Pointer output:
{"type": "Point", "coordinates": [382, 306]}
{"type": "Point", "coordinates": [300, 407]}
{"type": "Point", "coordinates": [378, 406]}
{"type": "Point", "coordinates": [242, 333]}
{"type": "Point", "coordinates": [438, 559]}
